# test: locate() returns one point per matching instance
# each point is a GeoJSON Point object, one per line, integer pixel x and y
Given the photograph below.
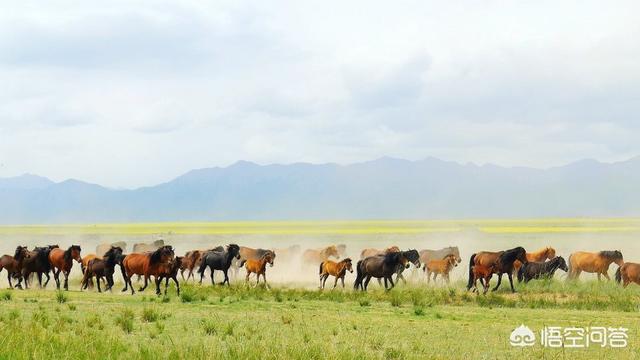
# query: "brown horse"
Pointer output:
{"type": "Point", "coordinates": [101, 267]}
{"type": "Point", "coordinates": [169, 271]}
{"type": "Point", "coordinates": [146, 264]}
{"type": "Point", "coordinates": [593, 263]}
{"type": "Point", "coordinates": [484, 274]}
{"type": "Point", "coordinates": [37, 261]}
{"type": "Point", "coordinates": [316, 256]}
{"type": "Point", "coordinates": [628, 273]}
{"type": "Point", "coordinates": [85, 262]}
{"type": "Point", "coordinates": [442, 267]}
{"type": "Point", "coordinates": [336, 269]}
{"type": "Point", "coordinates": [13, 264]}
{"type": "Point", "coordinates": [62, 261]}
{"type": "Point", "coordinates": [373, 252]}
{"type": "Point", "coordinates": [538, 256]}
{"type": "Point", "coordinates": [189, 262]}
{"type": "Point", "coordinates": [501, 262]}
{"type": "Point", "coordinates": [259, 267]}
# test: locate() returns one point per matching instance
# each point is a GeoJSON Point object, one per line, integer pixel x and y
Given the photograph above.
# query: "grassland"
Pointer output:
{"type": "Point", "coordinates": [255, 323]}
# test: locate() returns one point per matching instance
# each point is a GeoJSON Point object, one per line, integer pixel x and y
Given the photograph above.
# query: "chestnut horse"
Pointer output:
{"type": "Point", "coordinates": [336, 269]}
{"type": "Point", "coordinates": [62, 261]}
{"type": "Point", "coordinates": [501, 262]}
{"type": "Point", "coordinates": [538, 256]}
{"type": "Point", "coordinates": [316, 256]}
{"type": "Point", "coordinates": [247, 253]}
{"type": "Point", "coordinates": [259, 267]}
{"type": "Point", "coordinates": [365, 253]}
{"type": "Point", "coordinates": [482, 273]}
{"type": "Point", "coordinates": [146, 264]}
{"type": "Point", "coordinates": [442, 267]}
{"type": "Point", "coordinates": [628, 273]}
{"type": "Point", "coordinates": [380, 266]}
{"type": "Point", "coordinates": [189, 262]}
{"type": "Point", "coordinates": [593, 263]}
{"type": "Point", "coordinates": [13, 265]}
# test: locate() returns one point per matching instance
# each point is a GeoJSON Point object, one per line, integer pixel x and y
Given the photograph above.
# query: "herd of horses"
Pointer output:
{"type": "Point", "coordinates": [159, 261]}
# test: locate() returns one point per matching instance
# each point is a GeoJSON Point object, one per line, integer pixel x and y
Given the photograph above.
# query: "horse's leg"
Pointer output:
{"type": "Point", "coordinates": [599, 278]}
{"type": "Point", "coordinates": [498, 284]}
{"type": "Point", "coordinates": [446, 277]}
{"type": "Point", "coordinates": [212, 282]}
{"type": "Point", "coordinates": [336, 282]}
{"type": "Point", "coordinates": [606, 275]}
{"type": "Point", "coordinates": [226, 277]}
{"type": "Point", "coordinates": [385, 283]}
{"type": "Point", "coordinates": [98, 283]}
{"type": "Point", "coordinates": [324, 280]}
{"type": "Point", "coordinates": [366, 282]}
{"type": "Point", "coordinates": [40, 280]}
{"type": "Point", "coordinates": [428, 277]}
{"type": "Point", "coordinates": [510, 276]}
{"type": "Point", "coordinates": [247, 277]}
{"type": "Point", "coordinates": [342, 280]}
{"type": "Point", "coordinates": [146, 282]}
{"type": "Point", "coordinates": [9, 278]}
{"type": "Point", "coordinates": [158, 281]}
{"type": "Point", "coordinates": [56, 277]}
{"type": "Point", "coordinates": [182, 274]}
{"type": "Point", "coordinates": [391, 282]}
{"type": "Point", "coordinates": [66, 280]}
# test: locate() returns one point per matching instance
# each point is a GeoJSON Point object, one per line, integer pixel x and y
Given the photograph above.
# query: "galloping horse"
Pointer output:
{"type": "Point", "coordinates": [146, 264]}
{"type": "Point", "coordinates": [442, 267]}
{"type": "Point", "coordinates": [37, 261]}
{"type": "Point", "coordinates": [190, 260]}
{"type": "Point", "coordinates": [336, 269]}
{"type": "Point", "coordinates": [169, 271]}
{"type": "Point", "coordinates": [101, 267]}
{"type": "Point", "coordinates": [628, 273]}
{"type": "Point", "coordinates": [538, 256]}
{"type": "Point", "coordinates": [62, 261]}
{"type": "Point", "coordinates": [414, 257]}
{"type": "Point", "coordinates": [259, 267]}
{"type": "Point", "coordinates": [219, 260]}
{"type": "Point", "coordinates": [537, 270]}
{"type": "Point", "coordinates": [365, 253]}
{"type": "Point", "coordinates": [316, 256]}
{"type": "Point", "coordinates": [247, 253]}
{"type": "Point", "coordinates": [501, 262]}
{"type": "Point", "coordinates": [428, 255]}
{"type": "Point", "coordinates": [379, 266]}
{"type": "Point", "coordinates": [13, 264]}
{"type": "Point", "coordinates": [593, 263]}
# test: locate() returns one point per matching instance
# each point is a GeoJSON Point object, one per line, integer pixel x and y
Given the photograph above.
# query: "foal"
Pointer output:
{"type": "Point", "coordinates": [259, 267]}
{"type": "Point", "coordinates": [442, 267]}
{"type": "Point", "coordinates": [482, 273]}
{"type": "Point", "coordinates": [336, 269]}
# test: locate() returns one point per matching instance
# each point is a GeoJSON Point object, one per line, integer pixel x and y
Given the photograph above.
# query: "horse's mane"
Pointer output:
{"type": "Point", "coordinates": [346, 260]}
{"type": "Point", "coordinates": [156, 256]}
{"type": "Point", "coordinates": [19, 254]}
{"type": "Point", "coordinates": [67, 253]}
{"type": "Point", "coordinates": [110, 255]}
{"type": "Point", "coordinates": [411, 255]}
{"type": "Point", "coordinates": [511, 254]}
{"type": "Point", "coordinates": [611, 255]}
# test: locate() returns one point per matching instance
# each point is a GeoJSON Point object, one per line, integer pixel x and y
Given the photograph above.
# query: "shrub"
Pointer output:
{"type": "Point", "coordinates": [61, 297]}
{"type": "Point", "coordinates": [125, 320]}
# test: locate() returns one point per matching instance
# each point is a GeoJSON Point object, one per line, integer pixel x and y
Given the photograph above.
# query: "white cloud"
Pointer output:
{"type": "Point", "coordinates": [131, 94]}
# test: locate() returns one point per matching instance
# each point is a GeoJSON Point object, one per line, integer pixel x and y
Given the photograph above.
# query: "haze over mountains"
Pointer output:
{"type": "Point", "coordinates": [386, 188]}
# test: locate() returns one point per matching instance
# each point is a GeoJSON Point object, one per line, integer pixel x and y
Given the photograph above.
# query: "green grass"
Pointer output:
{"type": "Point", "coordinates": [254, 323]}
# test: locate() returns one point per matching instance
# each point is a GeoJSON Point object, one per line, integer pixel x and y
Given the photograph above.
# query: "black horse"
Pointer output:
{"type": "Point", "coordinates": [414, 257]}
{"type": "Point", "coordinates": [219, 260]}
{"type": "Point", "coordinates": [380, 266]}
{"type": "Point", "coordinates": [102, 267]}
{"type": "Point", "coordinates": [537, 270]}
{"type": "Point", "coordinates": [37, 261]}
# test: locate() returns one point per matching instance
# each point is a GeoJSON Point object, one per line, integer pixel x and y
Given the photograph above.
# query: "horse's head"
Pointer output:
{"type": "Point", "coordinates": [21, 253]}
{"type": "Point", "coordinates": [347, 264]}
{"type": "Point", "coordinates": [456, 252]}
{"type": "Point", "coordinates": [550, 253]}
{"type": "Point", "coordinates": [618, 259]}
{"type": "Point", "coordinates": [451, 260]}
{"type": "Point", "coordinates": [562, 264]}
{"type": "Point", "coordinates": [521, 254]}
{"type": "Point", "coordinates": [177, 263]}
{"type": "Point", "coordinates": [234, 250]}
{"type": "Point", "coordinates": [413, 256]}
{"type": "Point", "coordinates": [268, 257]}
{"type": "Point", "coordinates": [75, 253]}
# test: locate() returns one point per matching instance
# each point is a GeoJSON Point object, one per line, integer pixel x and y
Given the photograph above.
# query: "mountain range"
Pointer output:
{"type": "Point", "coordinates": [385, 188]}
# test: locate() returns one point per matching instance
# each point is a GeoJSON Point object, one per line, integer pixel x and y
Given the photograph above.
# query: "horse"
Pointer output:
{"type": "Point", "coordinates": [414, 257]}
{"type": "Point", "coordinates": [427, 255]}
{"type": "Point", "coordinates": [628, 273]}
{"type": "Point", "coordinates": [336, 269]}
{"type": "Point", "coordinates": [219, 260]}
{"type": "Point", "coordinates": [316, 256]}
{"type": "Point", "coordinates": [101, 267]}
{"type": "Point", "coordinates": [365, 253]}
{"type": "Point", "coordinates": [259, 267]}
{"type": "Point", "coordinates": [13, 264]}
{"type": "Point", "coordinates": [169, 271]}
{"type": "Point", "coordinates": [379, 266]}
{"type": "Point", "coordinates": [103, 248]}
{"type": "Point", "coordinates": [146, 264]}
{"type": "Point", "coordinates": [537, 270]}
{"type": "Point", "coordinates": [190, 260]}
{"type": "Point", "coordinates": [593, 263]}
{"type": "Point", "coordinates": [501, 262]}
{"type": "Point", "coordinates": [484, 274]}
{"type": "Point", "coordinates": [62, 261]}
{"type": "Point", "coordinates": [143, 247]}
{"type": "Point", "coordinates": [37, 261]}
{"type": "Point", "coordinates": [442, 267]}
{"type": "Point", "coordinates": [247, 253]}
{"type": "Point", "coordinates": [538, 256]}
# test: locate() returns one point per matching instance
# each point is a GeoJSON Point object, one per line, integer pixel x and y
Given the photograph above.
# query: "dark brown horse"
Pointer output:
{"type": "Point", "coordinates": [13, 264]}
{"type": "Point", "coordinates": [500, 262]}
{"type": "Point", "coordinates": [169, 271]}
{"type": "Point", "coordinates": [37, 261]}
{"type": "Point", "coordinates": [146, 264]}
{"type": "Point", "coordinates": [102, 267]}
{"type": "Point", "coordinates": [62, 261]}
{"type": "Point", "coordinates": [379, 266]}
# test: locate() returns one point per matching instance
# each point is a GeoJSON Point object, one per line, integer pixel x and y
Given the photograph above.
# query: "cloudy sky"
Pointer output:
{"type": "Point", "coordinates": [134, 93]}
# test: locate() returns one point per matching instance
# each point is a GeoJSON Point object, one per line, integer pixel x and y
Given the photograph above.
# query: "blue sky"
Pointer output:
{"type": "Point", "coordinates": [132, 93]}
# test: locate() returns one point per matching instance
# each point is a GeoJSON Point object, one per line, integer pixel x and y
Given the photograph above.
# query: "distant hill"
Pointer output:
{"type": "Point", "coordinates": [386, 188]}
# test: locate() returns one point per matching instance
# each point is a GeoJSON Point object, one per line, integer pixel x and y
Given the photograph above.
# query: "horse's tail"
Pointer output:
{"type": "Point", "coordinates": [521, 273]}
{"type": "Point", "coordinates": [320, 271]}
{"type": "Point", "coordinates": [619, 274]}
{"type": "Point", "coordinates": [472, 261]}
{"type": "Point", "coordinates": [358, 283]}
{"type": "Point", "coordinates": [203, 265]}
